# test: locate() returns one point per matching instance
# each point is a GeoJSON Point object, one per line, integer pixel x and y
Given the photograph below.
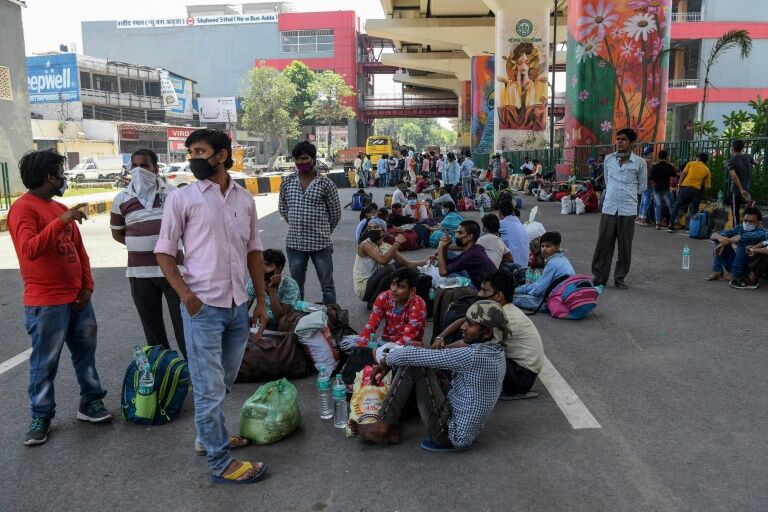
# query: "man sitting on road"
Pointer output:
{"type": "Point", "coordinates": [491, 241]}
{"type": "Point", "coordinates": [726, 258]}
{"type": "Point", "coordinates": [373, 253]}
{"type": "Point", "coordinates": [415, 208]}
{"type": "Point", "coordinates": [473, 261]}
{"type": "Point", "coordinates": [530, 295]}
{"type": "Point", "coordinates": [399, 195]}
{"type": "Point", "coordinates": [513, 234]}
{"type": "Point", "coordinates": [397, 219]}
{"type": "Point", "coordinates": [453, 420]}
{"type": "Point", "coordinates": [758, 265]}
{"type": "Point", "coordinates": [282, 290]}
{"type": "Point", "coordinates": [404, 313]}
{"type": "Point", "coordinates": [524, 351]}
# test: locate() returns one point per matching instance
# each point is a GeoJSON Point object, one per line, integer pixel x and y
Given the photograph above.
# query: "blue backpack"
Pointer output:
{"type": "Point", "coordinates": [700, 225]}
{"type": "Point", "coordinates": [172, 383]}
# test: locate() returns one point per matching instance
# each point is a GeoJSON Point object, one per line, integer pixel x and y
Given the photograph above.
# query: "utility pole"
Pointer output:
{"type": "Point", "coordinates": [552, 102]}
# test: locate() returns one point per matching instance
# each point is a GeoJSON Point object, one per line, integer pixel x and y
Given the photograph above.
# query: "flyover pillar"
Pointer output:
{"type": "Point", "coordinates": [617, 70]}
{"type": "Point", "coordinates": [465, 114]}
{"type": "Point", "coordinates": [521, 72]}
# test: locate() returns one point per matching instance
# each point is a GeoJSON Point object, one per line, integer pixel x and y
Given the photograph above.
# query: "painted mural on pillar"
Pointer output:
{"type": "Point", "coordinates": [482, 104]}
{"type": "Point", "coordinates": [522, 51]}
{"type": "Point", "coordinates": [617, 69]}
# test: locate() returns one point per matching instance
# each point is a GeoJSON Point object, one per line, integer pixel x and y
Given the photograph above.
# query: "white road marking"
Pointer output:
{"type": "Point", "coordinates": [14, 361]}
{"type": "Point", "coordinates": [573, 408]}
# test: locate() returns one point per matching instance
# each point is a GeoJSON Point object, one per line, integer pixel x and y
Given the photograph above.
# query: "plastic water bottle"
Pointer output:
{"type": "Point", "coordinates": [449, 282]}
{"type": "Point", "coordinates": [324, 393]}
{"type": "Point", "coordinates": [146, 380]}
{"type": "Point", "coordinates": [720, 197]}
{"type": "Point", "coordinates": [340, 413]}
{"type": "Point", "coordinates": [686, 258]}
{"type": "Point", "coordinates": [308, 307]}
{"type": "Point", "coordinates": [372, 343]}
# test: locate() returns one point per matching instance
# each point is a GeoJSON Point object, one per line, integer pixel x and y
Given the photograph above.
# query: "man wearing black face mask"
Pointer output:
{"type": "Point", "coordinates": [57, 291]}
{"type": "Point", "coordinates": [309, 203]}
{"type": "Point", "coordinates": [473, 261]}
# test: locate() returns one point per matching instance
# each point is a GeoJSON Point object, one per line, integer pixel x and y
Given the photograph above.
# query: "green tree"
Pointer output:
{"type": "Point", "coordinates": [732, 39]}
{"type": "Point", "coordinates": [267, 106]}
{"type": "Point", "coordinates": [302, 77]}
{"type": "Point", "coordinates": [416, 132]}
{"type": "Point", "coordinates": [328, 92]}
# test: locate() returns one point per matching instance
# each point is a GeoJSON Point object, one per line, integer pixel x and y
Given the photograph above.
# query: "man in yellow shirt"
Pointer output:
{"type": "Point", "coordinates": [695, 179]}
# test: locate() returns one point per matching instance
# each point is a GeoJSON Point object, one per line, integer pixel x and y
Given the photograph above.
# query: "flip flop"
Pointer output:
{"type": "Point", "coordinates": [233, 477]}
{"type": "Point", "coordinates": [200, 449]}
{"type": "Point", "coordinates": [523, 396]}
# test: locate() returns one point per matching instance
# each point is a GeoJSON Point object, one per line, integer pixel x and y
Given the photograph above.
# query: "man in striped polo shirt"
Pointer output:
{"type": "Point", "coordinates": [135, 221]}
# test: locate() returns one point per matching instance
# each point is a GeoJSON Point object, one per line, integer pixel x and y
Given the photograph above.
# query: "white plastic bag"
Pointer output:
{"type": "Point", "coordinates": [320, 345]}
{"type": "Point", "coordinates": [532, 214]}
{"type": "Point", "coordinates": [567, 206]}
{"type": "Point", "coordinates": [580, 209]}
{"type": "Point", "coordinates": [534, 230]}
{"type": "Point", "coordinates": [431, 271]}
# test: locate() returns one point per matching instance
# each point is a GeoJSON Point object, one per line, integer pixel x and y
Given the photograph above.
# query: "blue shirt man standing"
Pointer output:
{"type": "Point", "coordinates": [626, 177]}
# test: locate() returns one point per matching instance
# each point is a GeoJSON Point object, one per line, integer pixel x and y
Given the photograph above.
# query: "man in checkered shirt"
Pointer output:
{"type": "Point", "coordinates": [309, 203]}
{"type": "Point", "coordinates": [454, 420]}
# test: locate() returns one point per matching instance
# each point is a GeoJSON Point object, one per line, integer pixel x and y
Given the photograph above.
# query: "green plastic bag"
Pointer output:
{"type": "Point", "coordinates": [271, 413]}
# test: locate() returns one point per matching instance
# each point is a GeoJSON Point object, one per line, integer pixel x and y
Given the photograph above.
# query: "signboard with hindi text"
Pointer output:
{"type": "Point", "coordinates": [198, 21]}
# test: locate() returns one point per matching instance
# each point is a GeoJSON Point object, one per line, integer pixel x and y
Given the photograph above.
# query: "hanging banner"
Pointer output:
{"type": "Point", "coordinates": [617, 70]}
{"type": "Point", "coordinates": [482, 104]}
{"type": "Point", "coordinates": [168, 92]}
{"type": "Point", "coordinates": [522, 57]}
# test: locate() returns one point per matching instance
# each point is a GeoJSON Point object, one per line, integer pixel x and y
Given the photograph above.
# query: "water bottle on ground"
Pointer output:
{"type": "Point", "coordinates": [340, 413]}
{"type": "Point", "coordinates": [308, 307]}
{"type": "Point", "coordinates": [146, 379]}
{"type": "Point", "coordinates": [324, 393]}
{"type": "Point", "coordinates": [686, 258]}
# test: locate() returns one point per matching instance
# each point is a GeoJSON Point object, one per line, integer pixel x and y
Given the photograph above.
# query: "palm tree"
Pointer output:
{"type": "Point", "coordinates": [732, 39]}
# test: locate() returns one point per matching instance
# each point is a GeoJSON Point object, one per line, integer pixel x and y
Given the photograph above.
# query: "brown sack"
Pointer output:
{"type": "Point", "coordinates": [276, 355]}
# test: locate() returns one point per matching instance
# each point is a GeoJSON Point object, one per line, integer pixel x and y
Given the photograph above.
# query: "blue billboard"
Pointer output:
{"type": "Point", "coordinates": [53, 78]}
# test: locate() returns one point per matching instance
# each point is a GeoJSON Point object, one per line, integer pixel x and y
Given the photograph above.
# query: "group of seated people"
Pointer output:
{"type": "Point", "coordinates": [740, 255]}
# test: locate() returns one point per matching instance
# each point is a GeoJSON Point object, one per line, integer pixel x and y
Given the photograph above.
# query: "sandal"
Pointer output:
{"type": "Point", "coordinates": [245, 466]}
{"type": "Point", "coordinates": [234, 442]}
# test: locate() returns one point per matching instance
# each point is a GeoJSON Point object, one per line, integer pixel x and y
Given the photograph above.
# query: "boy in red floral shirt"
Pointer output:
{"type": "Point", "coordinates": [404, 313]}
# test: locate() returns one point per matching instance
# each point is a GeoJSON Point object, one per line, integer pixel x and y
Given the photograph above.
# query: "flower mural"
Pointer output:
{"type": "Point", "coordinates": [617, 57]}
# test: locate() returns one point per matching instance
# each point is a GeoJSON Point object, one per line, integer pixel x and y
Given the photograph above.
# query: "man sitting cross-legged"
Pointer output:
{"type": "Point", "coordinates": [454, 420]}
{"type": "Point", "coordinates": [734, 260]}
{"type": "Point", "coordinates": [524, 351]}
{"type": "Point", "coordinates": [530, 295]}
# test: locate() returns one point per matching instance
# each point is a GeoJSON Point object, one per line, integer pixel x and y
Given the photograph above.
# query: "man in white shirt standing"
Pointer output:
{"type": "Point", "coordinates": [626, 177]}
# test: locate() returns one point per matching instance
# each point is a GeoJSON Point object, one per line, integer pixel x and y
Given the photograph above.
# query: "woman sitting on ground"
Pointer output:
{"type": "Point", "coordinates": [448, 226]}
{"type": "Point", "coordinates": [366, 214]}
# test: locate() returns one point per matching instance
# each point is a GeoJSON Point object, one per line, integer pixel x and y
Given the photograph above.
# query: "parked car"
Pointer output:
{"type": "Point", "coordinates": [178, 174]}
{"type": "Point", "coordinates": [96, 168]}
{"type": "Point", "coordinates": [284, 163]}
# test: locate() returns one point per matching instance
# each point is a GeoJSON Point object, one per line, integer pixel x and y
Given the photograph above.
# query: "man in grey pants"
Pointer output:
{"type": "Point", "coordinates": [626, 177]}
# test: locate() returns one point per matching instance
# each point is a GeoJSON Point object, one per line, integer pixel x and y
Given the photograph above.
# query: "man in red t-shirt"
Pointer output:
{"type": "Point", "coordinates": [57, 291]}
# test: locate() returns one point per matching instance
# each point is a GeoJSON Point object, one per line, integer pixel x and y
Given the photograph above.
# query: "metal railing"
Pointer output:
{"type": "Point", "coordinates": [682, 83]}
{"type": "Point", "coordinates": [120, 99]}
{"type": "Point", "coordinates": [686, 17]}
{"type": "Point", "coordinates": [5, 194]}
{"type": "Point", "coordinates": [680, 152]}
{"type": "Point", "coordinates": [390, 102]}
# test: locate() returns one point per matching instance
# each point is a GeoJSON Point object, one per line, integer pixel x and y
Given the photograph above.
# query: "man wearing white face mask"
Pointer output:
{"type": "Point", "coordinates": [135, 221]}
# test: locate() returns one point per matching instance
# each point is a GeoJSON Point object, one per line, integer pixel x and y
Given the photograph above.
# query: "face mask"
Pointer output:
{"type": "Point", "coordinates": [201, 168]}
{"type": "Point", "coordinates": [62, 188]}
{"type": "Point", "coordinates": [747, 227]}
{"type": "Point", "coordinates": [412, 202]}
{"type": "Point", "coordinates": [305, 167]}
{"type": "Point", "coordinates": [374, 235]}
{"type": "Point", "coordinates": [145, 177]}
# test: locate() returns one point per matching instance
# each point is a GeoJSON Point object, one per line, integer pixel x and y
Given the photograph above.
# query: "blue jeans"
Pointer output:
{"type": "Point", "coordinates": [732, 261]}
{"type": "Point", "coordinates": [661, 197]}
{"type": "Point", "coordinates": [323, 262]}
{"type": "Point", "coordinates": [527, 301]}
{"type": "Point", "coordinates": [383, 180]}
{"type": "Point", "coordinates": [50, 327]}
{"type": "Point", "coordinates": [645, 203]}
{"type": "Point", "coordinates": [466, 184]}
{"type": "Point", "coordinates": [685, 196]}
{"type": "Point", "coordinates": [216, 340]}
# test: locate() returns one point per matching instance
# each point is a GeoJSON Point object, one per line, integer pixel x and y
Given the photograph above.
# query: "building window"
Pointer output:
{"type": "Point", "coordinates": [152, 89]}
{"type": "Point", "coordinates": [5, 84]}
{"type": "Point", "coordinates": [104, 83]}
{"type": "Point", "coordinates": [85, 80]}
{"type": "Point", "coordinates": [307, 41]}
{"type": "Point", "coordinates": [132, 86]}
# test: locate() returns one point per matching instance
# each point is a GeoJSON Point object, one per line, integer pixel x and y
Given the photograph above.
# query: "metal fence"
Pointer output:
{"type": "Point", "coordinates": [5, 194]}
{"type": "Point", "coordinates": [680, 152]}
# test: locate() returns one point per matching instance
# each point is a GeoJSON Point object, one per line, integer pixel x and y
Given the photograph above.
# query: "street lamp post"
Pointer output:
{"type": "Point", "coordinates": [552, 101]}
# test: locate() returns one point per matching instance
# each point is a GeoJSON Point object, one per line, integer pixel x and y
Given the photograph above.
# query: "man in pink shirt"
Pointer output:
{"type": "Point", "coordinates": [216, 220]}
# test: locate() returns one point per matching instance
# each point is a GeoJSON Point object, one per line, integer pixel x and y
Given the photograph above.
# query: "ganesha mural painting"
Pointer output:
{"type": "Point", "coordinates": [617, 69]}
{"type": "Point", "coordinates": [522, 67]}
